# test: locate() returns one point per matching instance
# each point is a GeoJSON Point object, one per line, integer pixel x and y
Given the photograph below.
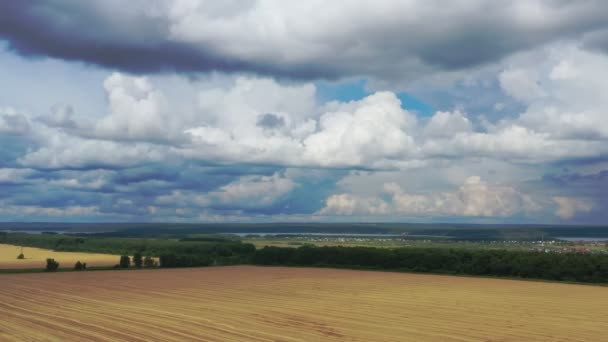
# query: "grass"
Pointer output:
{"type": "Point", "coordinates": [246, 303]}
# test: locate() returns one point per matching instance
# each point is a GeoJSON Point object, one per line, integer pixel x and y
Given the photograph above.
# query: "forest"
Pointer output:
{"type": "Point", "coordinates": [218, 250]}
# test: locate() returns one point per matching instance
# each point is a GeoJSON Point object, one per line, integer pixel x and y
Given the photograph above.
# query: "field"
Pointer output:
{"type": "Point", "coordinates": [36, 258]}
{"type": "Point", "coordinates": [247, 303]}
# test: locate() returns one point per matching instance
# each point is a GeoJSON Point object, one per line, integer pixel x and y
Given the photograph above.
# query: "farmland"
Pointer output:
{"type": "Point", "coordinates": [248, 303]}
{"type": "Point", "coordinates": [36, 258]}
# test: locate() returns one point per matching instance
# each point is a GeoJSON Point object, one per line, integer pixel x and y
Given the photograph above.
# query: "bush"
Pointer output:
{"type": "Point", "coordinates": [51, 265]}
{"type": "Point", "coordinates": [80, 266]}
{"type": "Point", "coordinates": [20, 256]}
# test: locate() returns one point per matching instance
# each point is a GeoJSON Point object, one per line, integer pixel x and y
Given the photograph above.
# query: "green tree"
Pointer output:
{"type": "Point", "coordinates": [137, 259]}
{"type": "Point", "coordinates": [51, 265]}
{"type": "Point", "coordinates": [78, 266]}
{"type": "Point", "coordinates": [125, 261]}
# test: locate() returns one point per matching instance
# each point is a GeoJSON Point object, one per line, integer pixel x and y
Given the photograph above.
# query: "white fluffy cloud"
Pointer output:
{"type": "Point", "coordinates": [568, 207]}
{"type": "Point", "coordinates": [246, 192]}
{"type": "Point", "coordinates": [362, 133]}
{"type": "Point", "coordinates": [521, 84]}
{"type": "Point", "coordinates": [374, 130]}
{"type": "Point", "coordinates": [564, 116]}
{"type": "Point", "coordinates": [475, 198]}
{"type": "Point", "coordinates": [447, 124]}
{"type": "Point", "coordinates": [574, 105]}
{"type": "Point", "coordinates": [255, 120]}
{"type": "Point", "coordinates": [137, 111]}
{"type": "Point", "coordinates": [59, 150]}
{"type": "Point", "coordinates": [13, 122]}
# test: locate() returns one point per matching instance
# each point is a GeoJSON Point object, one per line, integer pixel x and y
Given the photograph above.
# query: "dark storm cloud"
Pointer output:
{"type": "Point", "coordinates": [125, 36]}
{"type": "Point", "coordinates": [597, 41]}
{"type": "Point", "coordinates": [74, 32]}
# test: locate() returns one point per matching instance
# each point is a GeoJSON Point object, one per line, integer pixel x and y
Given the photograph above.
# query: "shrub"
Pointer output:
{"type": "Point", "coordinates": [51, 265]}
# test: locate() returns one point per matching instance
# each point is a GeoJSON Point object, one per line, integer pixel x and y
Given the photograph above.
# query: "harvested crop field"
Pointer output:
{"type": "Point", "coordinates": [246, 303]}
{"type": "Point", "coordinates": [36, 258]}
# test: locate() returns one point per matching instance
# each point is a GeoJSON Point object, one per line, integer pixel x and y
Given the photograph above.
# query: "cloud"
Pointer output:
{"type": "Point", "coordinates": [13, 122]}
{"type": "Point", "coordinates": [568, 207]}
{"type": "Point", "coordinates": [236, 147]}
{"type": "Point", "coordinates": [475, 198]}
{"type": "Point", "coordinates": [370, 131]}
{"type": "Point", "coordinates": [355, 134]}
{"type": "Point", "coordinates": [248, 192]}
{"type": "Point", "coordinates": [563, 117]}
{"type": "Point", "coordinates": [137, 111]}
{"type": "Point", "coordinates": [447, 124]}
{"type": "Point", "coordinates": [37, 212]}
{"type": "Point", "coordinates": [285, 39]}
{"type": "Point", "coordinates": [14, 176]}
{"type": "Point", "coordinates": [262, 121]}
{"type": "Point", "coordinates": [58, 150]}
{"type": "Point", "coordinates": [521, 84]}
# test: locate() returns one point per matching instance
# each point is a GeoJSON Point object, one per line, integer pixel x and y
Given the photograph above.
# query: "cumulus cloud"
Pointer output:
{"type": "Point", "coordinates": [475, 198]}
{"type": "Point", "coordinates": [375, 129]}
{"type": "Point", "coordinates": [563, 116]}
{"type": "Point", "coordinates": [59, 150]}
{"type": "Point", "coordinates": [447, 124]}
{"type": "Point", "coordinates": [61, 116]}
{"type": "Point", "coordinates": [137, 111]}
{"type": "Point", "coordinates": [575, 105]}
{"type": "Point", "coordinates": [262, 121]}
{"type": "Point", "coordinates": [155, 145]}
{"type": "Point", "coordinates": [283, 38]}
{"type": "Point", "coordinates": [248, 192]}
{"type": "Point", "coordinates": [13, 122]}
{"type": "Point", "coordinates": [356, 134]}
{"type": "Point", "coordinates": [568, 207]}
{"type": "Point", "coordinates": [521, 84]}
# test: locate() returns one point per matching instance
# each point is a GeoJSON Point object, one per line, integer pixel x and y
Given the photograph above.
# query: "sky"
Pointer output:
{"type": "Point", "coordinates": [475, 111]}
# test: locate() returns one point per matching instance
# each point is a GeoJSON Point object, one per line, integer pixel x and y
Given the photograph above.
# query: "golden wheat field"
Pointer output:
{"type": "Point", "coordinates": [36, 258]}
{"type": "Point", "coordinates": [247, 303]}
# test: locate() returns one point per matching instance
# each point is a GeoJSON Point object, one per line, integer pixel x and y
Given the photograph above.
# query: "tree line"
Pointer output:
{"type": "Point", "coordinates": [175, 253]}
{"type": "Point", "coordinates": [502, 263]}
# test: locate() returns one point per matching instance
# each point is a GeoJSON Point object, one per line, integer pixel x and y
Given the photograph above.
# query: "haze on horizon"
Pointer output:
{"type": "Point", "coordinates": [268, 110]}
